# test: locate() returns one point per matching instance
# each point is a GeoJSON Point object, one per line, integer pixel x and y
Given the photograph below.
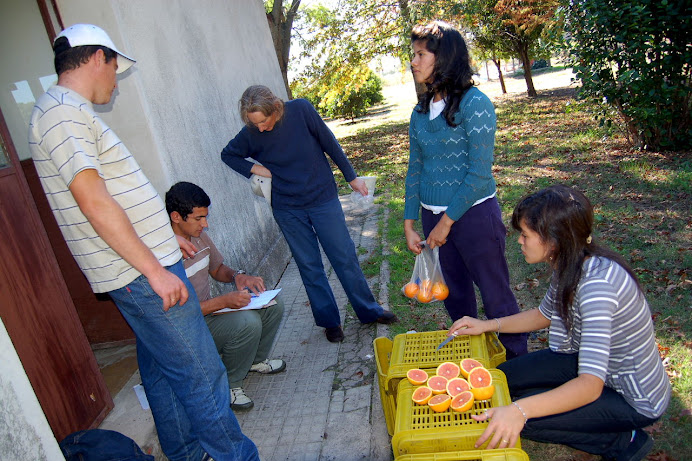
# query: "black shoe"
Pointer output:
{"type": "Point", "coordinates": [638, 448]}
{"type": "Point", "coordinates": [387, 318]}
{"type": "Point", "coordinates": [334, 334]}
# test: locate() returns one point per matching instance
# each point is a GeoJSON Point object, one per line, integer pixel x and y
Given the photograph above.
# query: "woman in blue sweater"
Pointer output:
{"type": "Point", "coordinates": [452, 137]}
{"type": "Point", "coordinates": [289, 140]}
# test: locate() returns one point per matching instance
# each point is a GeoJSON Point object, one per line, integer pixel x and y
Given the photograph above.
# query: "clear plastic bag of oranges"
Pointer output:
{"type": "Point", "coordinates": [427, 283]}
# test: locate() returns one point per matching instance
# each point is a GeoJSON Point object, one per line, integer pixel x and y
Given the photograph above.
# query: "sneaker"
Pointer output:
{"type": "Point", "coordinates": [638, 448]}
{"type": "Point", "coordinates": [387, 318]}
{"type": "Point", "coordinates": [240, 401]}
{"type": "Point", "coordinates": [334, 334]}
{"type": "Point", "coordinates": [269, 367]}
{"type": "Point", "coordinates": [206, 457]}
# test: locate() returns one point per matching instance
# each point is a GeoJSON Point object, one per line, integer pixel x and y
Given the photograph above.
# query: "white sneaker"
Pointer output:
{"type": "Point", "coordinates": [240, 401]}
{"type": "Point", "coordinates": [269, 367]}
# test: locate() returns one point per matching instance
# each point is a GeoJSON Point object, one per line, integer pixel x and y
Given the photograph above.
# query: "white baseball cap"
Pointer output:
{"type": "Point", "coordinates": [89, 34]}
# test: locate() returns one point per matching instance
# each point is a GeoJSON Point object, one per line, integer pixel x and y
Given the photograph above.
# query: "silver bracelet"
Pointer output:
{"type": "Point", "coordinates": [498, 324]}
{"type": "Point", "coordinates": [522, 412]}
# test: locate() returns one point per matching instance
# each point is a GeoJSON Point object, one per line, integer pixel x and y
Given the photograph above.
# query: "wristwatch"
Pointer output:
{"type": "Point", "coordinates": [239, 271]}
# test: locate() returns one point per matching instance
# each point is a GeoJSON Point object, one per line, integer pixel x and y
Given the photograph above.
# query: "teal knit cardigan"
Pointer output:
{"type": "Point", "coordinates": [451, 166]}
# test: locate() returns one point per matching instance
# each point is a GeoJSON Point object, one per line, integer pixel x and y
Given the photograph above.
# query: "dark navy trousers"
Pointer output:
{"type": "Point", "coordinates": [305, 230]}
{"type": "Point", "coordinates": [475, 254]}
{"type": "Point", "coordinates": [603, 427]}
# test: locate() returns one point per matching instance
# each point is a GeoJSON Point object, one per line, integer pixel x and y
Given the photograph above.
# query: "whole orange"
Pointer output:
{"type": "Point", "coordinates": [426, 284]}
{"type": "Point", "coordinates": [411, 289]}
{"type": "Point", "coordinates": [440, 291]}
{"type": "Point", "coordinates": [424, 296]}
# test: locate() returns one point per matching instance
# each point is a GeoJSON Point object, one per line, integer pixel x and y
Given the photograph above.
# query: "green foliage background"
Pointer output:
{"type": "Point", "coordinates": [634, 62]}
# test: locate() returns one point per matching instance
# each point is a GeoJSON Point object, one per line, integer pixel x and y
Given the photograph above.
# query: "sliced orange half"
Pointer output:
{"type": "Point", "coordinates": [449, 370]}
{"type": "Point", "coordinates": [422, 395]}
{"type": "Point", "coordinates": [438, 384]}
{"type": "Point", "coordinates": [416, 376]}
{"type": "Point", "coordinates": [456, 386]}
{"type": "Point", "coordinates": [440, 403]}
{"type": "Point", "coordinates": [462, 402]}
{"type": "Point", "coordinates": [467, 365]}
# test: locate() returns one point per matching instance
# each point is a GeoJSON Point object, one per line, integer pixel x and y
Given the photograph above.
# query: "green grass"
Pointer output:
{"type": "Point", "coordinates": [643, 204]}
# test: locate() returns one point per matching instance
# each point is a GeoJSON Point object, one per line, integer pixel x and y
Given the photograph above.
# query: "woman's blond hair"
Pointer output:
{"type": "Point", "coordinates": [259, 98]}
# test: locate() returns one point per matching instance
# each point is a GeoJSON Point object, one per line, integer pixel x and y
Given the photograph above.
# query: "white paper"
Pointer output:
{"type": "Point", "coordinates": [141, 396]}
{"type": "Point", "coordinates": [257, 302]}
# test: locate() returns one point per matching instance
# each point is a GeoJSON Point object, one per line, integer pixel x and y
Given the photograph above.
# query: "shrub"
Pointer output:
{"type": "Point", "coordinates": [350, 100]}
{"type": "Point", "coordinates": [634, 58]}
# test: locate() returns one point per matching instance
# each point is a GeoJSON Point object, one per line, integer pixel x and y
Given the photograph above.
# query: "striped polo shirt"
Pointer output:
{"type": "Point", "coordinates": [66, 137]}
{"type": "Point", "coordinates": [197, 268]}
{"type": "Point", "coordinates": [613, 334]}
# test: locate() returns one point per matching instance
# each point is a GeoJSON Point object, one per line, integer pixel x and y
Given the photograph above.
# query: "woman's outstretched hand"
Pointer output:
{"type": "Point", "coordinates": [468, 326]}
{"type": "Point", "coordinates": [505, 425]}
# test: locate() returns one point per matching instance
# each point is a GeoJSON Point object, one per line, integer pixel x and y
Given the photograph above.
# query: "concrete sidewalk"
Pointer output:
{"type": "Point", "coordinates": [326, 405]}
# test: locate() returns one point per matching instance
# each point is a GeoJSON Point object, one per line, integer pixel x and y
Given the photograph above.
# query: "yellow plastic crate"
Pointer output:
{"type": "Point", "coordinates": [418, 350]}
{"type": "Point", "coordinates": [496, 351]}
{"type": "Point", "coordinates": [383, 350]}
{"type": "Point", "coordinates": [418, 429]}
{"type": "Point", "coordinates": [505, 454]}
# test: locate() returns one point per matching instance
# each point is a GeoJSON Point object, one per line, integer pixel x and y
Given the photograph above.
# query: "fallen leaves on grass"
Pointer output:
{"type": "Point", "coordinates": [660, 456]}
{"type": "Point", "coordinates": [530, 283]}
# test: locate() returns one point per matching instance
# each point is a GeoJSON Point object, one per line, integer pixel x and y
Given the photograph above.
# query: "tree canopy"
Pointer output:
{"type": "Point", "coordinates": [634, 61]}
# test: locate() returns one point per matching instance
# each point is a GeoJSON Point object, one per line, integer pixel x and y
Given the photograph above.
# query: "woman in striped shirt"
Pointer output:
{"type": "Point", "coordinates": [601, 380]}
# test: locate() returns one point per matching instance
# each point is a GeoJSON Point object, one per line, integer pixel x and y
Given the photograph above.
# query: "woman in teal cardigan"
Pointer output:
{"type": "Point", "coordinates": [452, 137]}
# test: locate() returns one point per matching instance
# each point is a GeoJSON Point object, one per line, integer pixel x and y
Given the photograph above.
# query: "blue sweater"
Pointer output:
{"type": "Point", "coordinates": [294, 153]}
{"type": "Point", "coordinates": [451, 166]}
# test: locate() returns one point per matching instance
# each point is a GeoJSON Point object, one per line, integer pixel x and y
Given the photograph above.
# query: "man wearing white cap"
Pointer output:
{"type": "Point", "coordinates": [117, 228]}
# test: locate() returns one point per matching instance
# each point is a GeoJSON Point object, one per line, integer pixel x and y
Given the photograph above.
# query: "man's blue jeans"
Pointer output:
{"type": "Point", "coordinates": [302, 229]}
{"type": "Point", "coordinates": [603, 427]}
{"type": "Point", "coordinates": [183, 376]}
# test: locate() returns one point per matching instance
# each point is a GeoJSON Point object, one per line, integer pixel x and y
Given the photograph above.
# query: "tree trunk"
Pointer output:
{"type": "Point", "coordinates": [498, 64]}
{"type": "Point", "coordinates": [523, 51]}
{"type": "Point", "coordinates": [280, 26]}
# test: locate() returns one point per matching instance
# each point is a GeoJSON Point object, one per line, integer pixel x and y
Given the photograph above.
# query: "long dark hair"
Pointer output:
{"type": "Point", "coordinates": [563, 217]}
{"type": "Point", "coordinates": [452, 75]}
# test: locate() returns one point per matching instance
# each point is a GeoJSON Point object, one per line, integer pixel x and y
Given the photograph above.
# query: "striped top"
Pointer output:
{"type": "Point", "coordinates": [66, 137]}
{"type": "Point", "coordinates": [451, 166]}
{"type": "Point", "coordinates": [613, 334]}
{"type": "Point", "coordinates": [197, 268]}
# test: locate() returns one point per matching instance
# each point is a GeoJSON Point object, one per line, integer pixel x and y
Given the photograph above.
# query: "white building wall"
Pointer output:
{"type": "Point", "coordinates": [177, 107]}
{"type": "Point", "coordinates": [24, 430]}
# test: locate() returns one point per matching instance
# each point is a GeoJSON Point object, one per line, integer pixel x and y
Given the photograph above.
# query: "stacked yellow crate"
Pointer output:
{"type": "Point", "coordinates": [418, 432]}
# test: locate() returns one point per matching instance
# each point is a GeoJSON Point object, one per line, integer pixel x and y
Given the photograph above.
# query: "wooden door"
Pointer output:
{"type": "Point", "coordinates": [37, 310]}
{"type": "Point", "coordinates": [103, 323]}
